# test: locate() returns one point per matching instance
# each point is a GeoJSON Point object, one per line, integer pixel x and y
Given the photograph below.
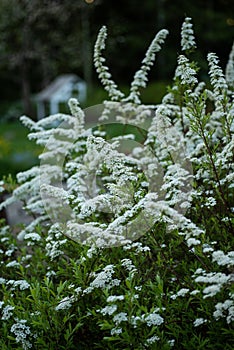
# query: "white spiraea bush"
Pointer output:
{"type": "Point", "coordinates": [176, 182]}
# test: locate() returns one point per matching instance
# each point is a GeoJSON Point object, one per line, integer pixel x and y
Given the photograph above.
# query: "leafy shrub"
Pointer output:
{"type": "Point", "coordinates": [128, 251]}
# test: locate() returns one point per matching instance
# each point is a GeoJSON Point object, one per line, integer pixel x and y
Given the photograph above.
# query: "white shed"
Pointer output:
{"type": "Point", "coordinates": [59, 91]}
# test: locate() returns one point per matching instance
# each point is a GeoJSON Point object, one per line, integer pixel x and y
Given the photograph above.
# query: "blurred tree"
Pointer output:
{"type": "Point", "coordinates": [41, 39]}
{"type": "Point", "coordinates": [14, 43]}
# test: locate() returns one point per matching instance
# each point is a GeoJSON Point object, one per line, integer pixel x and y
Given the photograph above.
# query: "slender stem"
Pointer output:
{"type": "Point", "coordinates": [222, 195]}
{"type": "Point", "coordinates": [214, 167]}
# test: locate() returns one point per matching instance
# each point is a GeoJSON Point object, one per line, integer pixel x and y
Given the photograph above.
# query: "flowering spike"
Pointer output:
{"type": "Point", "coordinates": [187, 35]}
{"type": "Point", "coordinates": [76, 111]}
{"type": "Point", "coordinates": [141, 78]}
{"type": "Point", "coordinates": [229, 73]}
{"type": "Point", "coordinates": [217, 78]}
{"type": "Point", "coordinates": [103, 71]}
{"type": "Point", "coordinates": [185, 72]}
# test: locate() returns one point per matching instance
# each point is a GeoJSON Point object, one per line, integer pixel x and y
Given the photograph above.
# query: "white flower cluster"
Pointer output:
{"type": "Point", "coordinates": [2, 189]}
{"type": "Point", "coordinates": [7, 312]}
{"type": "Point", "coordinates": [187, 35]}
{"type": "Point", "coordinates": [229, 74]}
{"type": "Point", "coordinates": [140, 78]}
{"type": "Point", "coordinates": [32, 238]}
{"type": "Point", "coordinates": [171, 342]}
{"type": "Point", "coordinates": [54, 242]}
{"type": "Point", "coordinates": [150, 319]}
{"type": "Point", "coordinates": [151, 340]}
{"type": "Point", "coordinates": [128, 265]}
{"type": "Point", "coordinates": [225, 309]}
{"type": "Point", "coordinates": [181, 293]}
{"type": "Point", "coordinates": [216, 74]}
{"type": "Point", "coordinates": [185, 72]}
{"type": "Point", "coordinates": [126, 112]}
{"type": "Point", "coordinates": [116, 331]}
{"type": "Point", "coordinates": [120, 317]}
{"type": "Point", "coordinates": [153, 319]}
{"type": "Point", "coordinates": [114, 298]}
{"type": "Point", "coordinates": [104, 279]}
{"type": "Point", "coordinates": [199, 321]}
{"type": "Point", "coordinates": [21, 332]}
{"type": "Point", "coordinates": [223, 259]}
{"type": "Point", "coordinates": [216, 281]}
{"type": "Point", "coordinates": [103, 71]}
{"type": "Point", "coordinates": [21, 284]}
{"type": "Point", "coordinates": [108, 310]}
{"type": "Point", "coordinates": [137, 247]}
{"type": "Point", "coordinates": [13, 263]}
{"type": "Point", "coordinates": [65, 303]}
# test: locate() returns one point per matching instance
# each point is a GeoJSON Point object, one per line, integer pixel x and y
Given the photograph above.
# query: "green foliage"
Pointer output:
{"type": "Point", "coordinates": [63, 312]}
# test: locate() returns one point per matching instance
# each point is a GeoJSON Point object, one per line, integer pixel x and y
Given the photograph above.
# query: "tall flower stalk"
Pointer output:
{"type": "Point", "coordinates": [102, 70]}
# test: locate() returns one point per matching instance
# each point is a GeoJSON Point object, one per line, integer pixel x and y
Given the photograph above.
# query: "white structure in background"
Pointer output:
{"type": "Point", "coordinates": [59, 91]}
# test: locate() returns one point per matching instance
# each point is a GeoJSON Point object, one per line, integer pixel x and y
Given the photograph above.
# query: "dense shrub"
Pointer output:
{"type": "Point", "coordinates": [128, 251]}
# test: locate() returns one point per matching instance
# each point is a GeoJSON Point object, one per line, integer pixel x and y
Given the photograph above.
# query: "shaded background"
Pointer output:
{"type": "Point", "coordinates": [41, 39]}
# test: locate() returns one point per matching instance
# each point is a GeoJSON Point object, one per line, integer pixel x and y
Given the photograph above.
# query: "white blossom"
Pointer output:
{"type": "Point", "coordinates": [185, 72]}
{"type": "Point", "coordinates": [223, 259]}
{"type": "Point", "coordinates": [195, 292]}
{"type": "Point", "coordinates": [22, 284]}
{"type": "Point", "coordinates": [134, 320]}
{"type": "Point", "coordinates": [120, 317]}
{"type": "Point", "coordinates": [229, 73]}
{"type": "Point", "coordinates": [2, 189]}
{"type": "Point", "coordinates": [171, 342]}
{"type": "Point", "coordinates": [21, 331]}
{"type": "Point", "coordinates": [187, 35]}
{"type": "Point", "coordinates": [140, 77]}
{"type": "Point", "coordinates": [104, 279]}
{"type": "Point", "coordinates": [199, 321]}
{"type": "Point", "coordinates": [153, 319]}
{"type": "Point", "coordinates": [33, 236]}
{"type": "Point", "coordinates": [116, 331]}
{"type": "Point", "coordinates": [108, 310]}
{"type": "Point", "coordinates": [7, 312]}
{"type": "Point", "coordinates": [65, 303]}
{"type": "Point", "coordinates": [181, 293]}
{"type": "Point", "coordinates": [13, 263]}
{"type": "Point", "coordinates": [127, 263]}
{"type": "Point", "coordinates": [216, 75]}
{"type": "Point", "coordinates": [152, 340]}
{"type": "Point", "coordinates": [225, 309]}
{"type": "Point", "coordinates": [193, 241]}
{"type": "Point", "coordinates": [114, 298]}
{"type": "Point", "coordinates": [103, 71]}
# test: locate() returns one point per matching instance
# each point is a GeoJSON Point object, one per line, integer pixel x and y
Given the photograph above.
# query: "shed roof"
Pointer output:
{"type": "Point", "coordinates": [58, 84]}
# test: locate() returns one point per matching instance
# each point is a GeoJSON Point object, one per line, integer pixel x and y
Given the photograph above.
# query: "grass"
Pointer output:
{"type": "Point", "coordinates": [17, 153]}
